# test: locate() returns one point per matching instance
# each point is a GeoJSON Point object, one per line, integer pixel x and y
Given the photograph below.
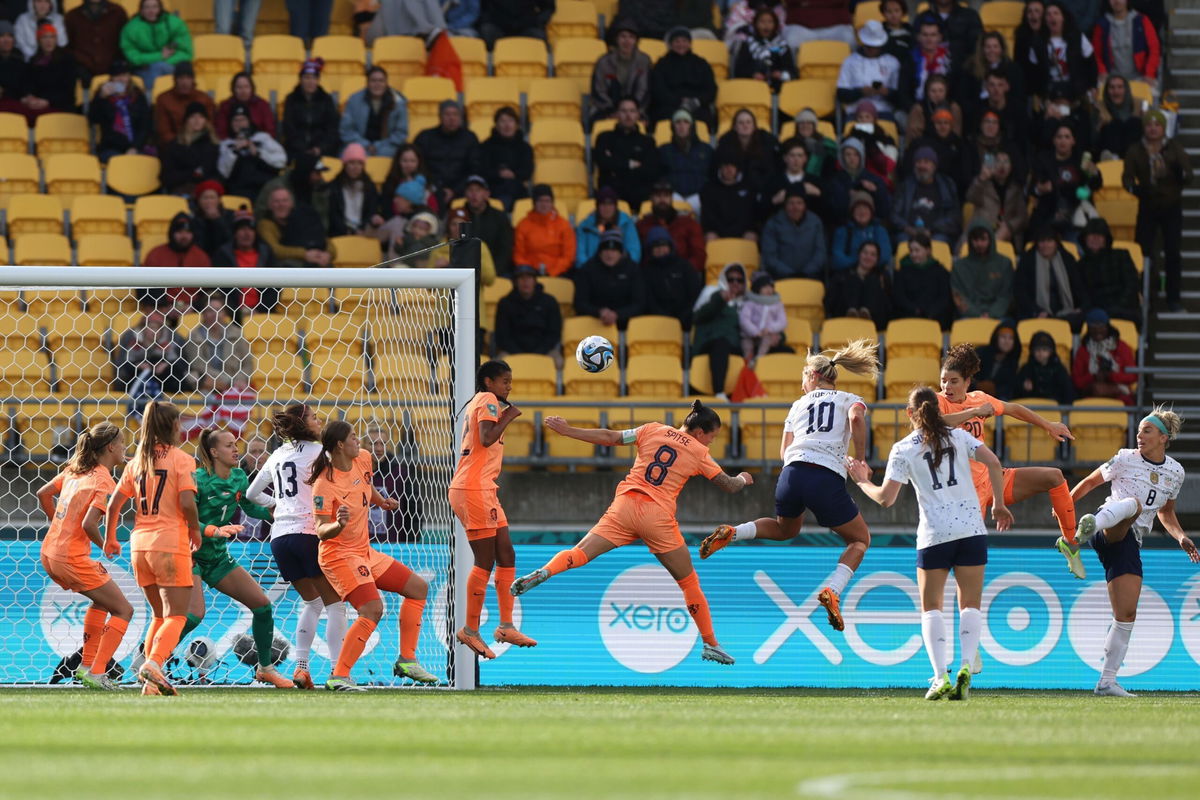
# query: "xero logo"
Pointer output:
{"type": "Point", "coordinates": [644, 623]}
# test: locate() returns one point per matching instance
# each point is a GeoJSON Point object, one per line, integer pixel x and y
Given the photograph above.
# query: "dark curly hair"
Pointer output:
{"type": "Point", "coordinates": [963, 359]}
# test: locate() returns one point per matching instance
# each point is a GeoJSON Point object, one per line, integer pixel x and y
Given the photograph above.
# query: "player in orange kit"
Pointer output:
{"type": "Point", "coordinates": [958, 368]}
{"type": "Point", "coordinates": [644, 507]}
{"type": "Point", "coordinates": [342, 498]}
{"type": "Point", "coordinates": [474, 501]}
{"type": "Point", "coordinates": [166, 530]}
{"type": "Point", "coordinates": [83, 490]}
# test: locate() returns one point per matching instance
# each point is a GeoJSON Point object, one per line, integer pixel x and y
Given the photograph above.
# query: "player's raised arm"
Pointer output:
{"type": "Point", "coordinates": [732, 484]}
{"type": "Point", "coordinates": [1058, 430]}
{"type": "Point", "coordinates": [1085, 486]}
{"type": "Point", "coordinates": [600, 436]}
{"type": "Point", "coordinates": [490, 432]}
{"type": "Point", "coordinates": [1170, 522]}
{"type": "Point", "coordinates": [957, 418]}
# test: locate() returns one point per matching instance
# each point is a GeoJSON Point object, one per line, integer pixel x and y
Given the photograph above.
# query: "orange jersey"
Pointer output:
{"type": "Point", "coordinates": [66, 539]}
{"type": "Point", "coordinates": [666, 458]}
{"type": "Point", "coordinates": [350, 489]}
{"type": "Point", "coordinates": [159, 524]}
{"type": "Point", "coordinates": [973, 426]}
{"type": "Point", "coordinates": [479, 466]}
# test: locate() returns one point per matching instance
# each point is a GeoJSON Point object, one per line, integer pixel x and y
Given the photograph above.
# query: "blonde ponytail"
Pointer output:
{"type": "Point", "coordinates": [860, 357]}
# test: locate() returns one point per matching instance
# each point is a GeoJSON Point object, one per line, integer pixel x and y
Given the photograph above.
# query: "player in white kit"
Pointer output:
{"type": "Point", "coordinates": [1145, 482]}
{"type": "Point", "coordinates": [951, 533]}
{"type": "Point", "coordinates": [293, 532]}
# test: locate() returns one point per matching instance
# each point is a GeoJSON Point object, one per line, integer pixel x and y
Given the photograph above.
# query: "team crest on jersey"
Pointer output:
{"type": "Point", "coordinates": [1154, 477]}
{"type": "Point", "coordinates": [491, 407]}
{"type": "Point", "coordinates": [319, 503]}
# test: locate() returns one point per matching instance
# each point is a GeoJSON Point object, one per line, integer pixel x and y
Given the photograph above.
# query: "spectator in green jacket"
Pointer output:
{"type": "Point", "coordinates": [982, 280]}
{"type": "Point", "coordinates": [716, 329]}
{"type": "Point", "coordinates": [154, 41]}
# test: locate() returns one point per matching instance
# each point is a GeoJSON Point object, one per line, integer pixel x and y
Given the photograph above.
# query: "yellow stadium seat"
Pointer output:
{"type": "Point", "coordinates": [1120, 213]}
{"type": "Point", "coordinates": [277, 374]}
{"type": "Point", "coordinates": [21, 331]}
{"type": "Point", "coordinates": [34, 213]}
{"type": "Point", "coordinates": [340, 372]}
{"type": "Point", "coordinates": [816, 93]}
{"type": "Point", "coordinates": [663, 133]}
{"type": "Point", "coordinates": [865, 12]}
{"type": "Point", "coordinates": [1060, 329]}
{"type": "Point", "coordinates": [234, 202]}
{"type": "Point", "coordinates": [1100, 427]}
{"type": "Point", "coordinates": [902, 374]}
{"type": "Point", "coordinates": [716, 54]}
{"type": "Point", "coordinates": [803, 297]}
{"type": "Point", "coordinates": [562, 290]}
{"type": "Point", "coordinates": [1002, 15]}
{"type": "Point", "coordinates": [1127, 331]}
{"type": "Point", "coordinates": [132, 175]}
{"type": "Point", "coordinates": [218, 55]}
{"type": "Point", "coordinates": [115, 304]}
{"type": "Point", "coordinates": [533, 375]}
{"type": "Point", "coordinates": [1135, 253]}
{"type": "Point", "coordinates": [485, 96]}
{"type": "Point", "coordinates": [492, 295]}
{"type": "Point", "coordinates": [333, 167]}
{"type": "Point", "coordinates": [105, 250]}
{"type": "Point", "coordinates": [347, 86]}
{"type": "Point", "coordinates": [722, 252]}
{"type": "Point", "coordinates": [271, 333]}
{"type": "Point", "coordinates": [48, 302]}
{"type": "Point", "coordinates": [98, 213]}
{"type": "Point", "coordinates": [1142, 92]}
{"type": "Point", "coordinates": [654, 335]}
{"type": "Point", "coordinates": [473, 54]}
{"type": "Point", "coordinates": [377, 169]}
{"type": "Point", "coordinates": [976, 331]}
{"type": "Point", "coordinates": [424, 94]}
{"type": "Point", "coordinates": [14, 133]}
{"type": "Point", "coordinates": [576, 329]}
{"type": "Point", "coordinates": [557, 138]}
{"type": "Point", "coordinates": [401, 56]}
{"type": "Point", "coordinates": [520, 57]}
{"type": "Point", "coordinates": [41, 250]}
{"type": "Point", "coordinates": [563, 446]}
{"type": "Point", "coordinates": [198, 13]}
{"type": "Point", "coordinates": [799, 335]}
{"type": "Point", "coordinates": [523, 206]}
{"type": "Point", "coordinates": [575, 58]}
{"type": "Point", "coordinates": [700, 375]}
{"type": "Point", "coordinates": [761, 430]}
{"type": "Point", "coordinates": [277, 55]}
{"type": "Point", "coordinates": [61, 133]}
{"type": "Point", "coordinates": [837, 332]}
{"type": "Point", "coordinates": [782, 375]}
{"type": "Point", "coordinates": [600, 126]}
{"type": "Point", "coordinates": [344, 55]}
{"type": "Point", "coordinates": [822, 59]}
{"type": "Point", "coordinates": [654, 48]}
{"type": "Point", "coordinates": [914, 338]}
{"type": "Point", "coordinates": [567, 177]}
{"type": "Point", "coordinates": [152, 214]}
{"type": "Point", "coordinates": [1025, 443]}
{"type": "Point", "coordinates": [23, 372]}
{"type": "Point", "coordinates": [333, 332]}
{"type": "Point", "coordinates": [82, 372]}
{"type": "Point", "coordinates": [940, 252]}
{"type": "Point", "coordinates": [1110, 173]}
{"type": "Point", "coordinates": [600, 385]}
{"type": "Point", "coordinates": [572, 18]}
{"type": "Point", "coordinates": [21, 176]}
{"type": "Point", "coordinates": [738, 93]}
{"type": "Point", "coordinates": [888, 426]}
{"type": "Point", "coordinates": [72, 174]}
{"type": "Point", "coordinates": [554, 98]}
{"type": "Point", "coordinates": [356, 251]}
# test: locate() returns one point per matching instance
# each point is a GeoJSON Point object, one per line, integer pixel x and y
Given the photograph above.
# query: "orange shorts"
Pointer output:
{"type": "Point", "coordinates": [983, 487]}
{"type": "Point", "coordinates": [347, 572]}
{"type": "Point", "coordinates": [634, 516]}
{"type": "Point", "coordinates": [479, 511]}
{"type": "Point", "coordinates": [76, 574]}
{"type": "Point", "coordinates": [154, 567]}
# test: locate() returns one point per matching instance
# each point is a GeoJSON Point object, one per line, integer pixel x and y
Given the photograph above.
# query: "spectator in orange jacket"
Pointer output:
{"type": "Point", "coordinates": [1102, 360]}
{"type": "Point", "coordinates": [545, 240]}
{"type": "Point", "coordinates": [170, 108]}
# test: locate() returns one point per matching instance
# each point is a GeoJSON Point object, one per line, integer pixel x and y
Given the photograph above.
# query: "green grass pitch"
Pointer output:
{"type": "Point", "coordinates": [583, 743]}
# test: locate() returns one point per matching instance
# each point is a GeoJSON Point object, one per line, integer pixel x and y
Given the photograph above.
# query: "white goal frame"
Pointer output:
{"type": "Point", "coordinates": [463, 662]}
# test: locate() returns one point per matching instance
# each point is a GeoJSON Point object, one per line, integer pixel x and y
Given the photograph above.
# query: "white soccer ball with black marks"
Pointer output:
{"type": "Point", "coordinates": [201, 652]}
{"type": "Point", "coordinates": [595, 354]}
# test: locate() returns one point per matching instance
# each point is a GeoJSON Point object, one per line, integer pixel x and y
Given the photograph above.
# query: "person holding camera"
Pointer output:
{"type": "Point", "coordinates": [120, 112]}
{"type": "Point", "coordinates": [249, 158]}
{"type": "Point", "coordinates": [870, 73]}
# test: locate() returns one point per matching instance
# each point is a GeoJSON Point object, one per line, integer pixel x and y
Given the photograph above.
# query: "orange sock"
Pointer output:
{"type": "Point", "coordinates": [565, 560]}
{"type": "Point", "coordinates": [1064, 509]}
{"type": "Point", "coordinates": [353, 646]}
{"type": "Point", "coordinates": [477, 583]}
{"type": "Point", "coordinates": [504, 598]}
{"type": "Point", "coordinates": [93, 629]}
{"type": "Point", "coordinates": [110, 640]}
{"type": "Point", "coordinates": [697, 606]}
{"type": "Point", "coordinates": [411, 610]}
{"type": "Point", "coordinates": [151, 632]}
{"type": "Point", "coordinates": [167, 638]}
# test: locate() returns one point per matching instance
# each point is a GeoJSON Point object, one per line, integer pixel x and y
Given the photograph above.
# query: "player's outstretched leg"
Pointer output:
{"type": "Point", "coordinates": [1028, 481]}
{"type": "Point", "coordinates": [779, 530]}
{"type": "Point", "coordinates": [562, 561]}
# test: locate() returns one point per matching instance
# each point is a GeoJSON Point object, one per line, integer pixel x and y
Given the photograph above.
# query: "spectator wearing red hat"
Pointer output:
{"type": "Point", "coordinates": [52, 76]}
{"type": "Point", "coordinates": [28, 26]}
{"type": "Point", "coordinates": [155, 41]}
{"type": "Point", "coordinates": [246, 250]}
{"type": "Point", "coordinates": [243, 93]}
{"type": "Point", "coordinates": [213, 222]}
{"type": "Point", "coordinates": [192, 156]}
{"type": "Point", "coordinates": [354, 205]}
{"type": "Point", "coordinates": [121, 113]}
{"type": "Point", "coordinates": [172, 107]}
{"type": "Point", "coordinates": [310, 117]}
{"type": "Point", "coordinates": [94, 35]}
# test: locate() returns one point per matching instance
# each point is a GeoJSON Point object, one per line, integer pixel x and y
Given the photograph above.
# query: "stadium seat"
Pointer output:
{"type": "Point", "coordinates": [61, 133]}
{"type": "Point", "coordinates": [1002, 15]}
{"type": "Point", "coordinates": [234, 202]}
{"type": "Point", "coordinates": [98, 213]}
{"type": "Point", "coordinates": [81, 372]}
{"type": "Point", "coordinates": [567, 177]}
{"type": "Point", "coordinates": [1100, 426]}
{"type": "Point", "coordinates": [799, 335]}
{"type": "Point", "coordinates": [520, 57]}
{"type": "Point", "coordinates": [492, 295]}
{"type": "Point", "coordinates": [865, 12]}
{"type": "Point", "coordinates": [976, 331]}
{"type": "Point", "coordinates": [271, 332]}
{"type": "Point", "coordinates": [345, 86]}
{"type": "Point", "coordinates": [888, 426]}
{"type": "Point", "coordinates": [576, 329]}
{"type": "Point", "coordinates": [804, 298]}
{"type": "Point", "coordinates": [700, 375]}
{"type": "Point", "coordinates": [152, 214]}
{"type": "Point", "coordinates": [738, 93]}
{"type": "Point", "coordinates": [344, 55]}
{"type": "Point", "coordinates": [572, 18]}
{"type": "Point", "coordinates": [1025, 443]}
{"type": "Point", "coordinates": [132, 175]}
{"type": "Point", "coordinates": [104, 250]}
{"type": "Point", "coordinates": [663, 134]}
{"type": "Point", "coordinates": [377, 169]}
{"type": "Point", "coordinates": [557, 138]}
{"type": "Point", "coordinates": [341, 21]}
{"type": "Point", "coordinates": [761, 430]}
{"type": "Point", "coordinates": [1060, 329]}
{"type": "Point", "coordinates": [600, 126]}
{"type": "Point", "coordinates": [722, 252]}
{"type": "Point", "coordinates": [218, 55]}
{"type": "Point", "coordinates": [34, 213]}
{"type": "Point", "coordinates": [356, 251]}
{"type": "Point", "coordinates": [524, 205]}
{"type": "Point", "coordinates": [21, 176]}
{"type": "Point", "coordinates": [1135, 253]}
{"type": "Point", "coordinates": [654, 335]}
{"type": "Point", "coordinates": [473, 54]}
{"type": "Point", "coordinates": [554, 98]}
{"type": "Point", "coordinates": [782, 375]}
{"type": "Point", "coordinates": [533, 375]}
{"type": "Point", "coordinates": [654, 48]}
{"type": "Point", "coordinates": [575, 58]}
{"type": "Point", "coordinates": [822, 59]}
{"type": "Point", "coordinates": [600, 385]}
{"type": "Point", "coordinates": [280, 373]}
{"type": "Point", "coordinates": [20, 331]}
{"type": "Point", "coordinates": [1110, 173]}
{"type": "Point", "coordinates": [562, 290]}
{"type": "Point", "coordinates": [1142, 92]}
{"type": "Point", "coordinates": [1120, 213]}
{"type": "Point", "coordinates": [277, 55]}
{"type": "Point", "coordinates": [41, 250]}
{"type": "Point", "coordinates": [424, 94]}
{"type": "Point", "coordinates": [837, 332]}
{"type": "Point", "coordinates": [14, 133]}
{"type": "Point", "coordinates": [485, 96]}
{"type": "Point", "coordinates": [330, 331]}
{"type": "Point", "coordinates": [116, 305]}
{"type": "Point", "coordinates": [198, 13]}
{"type": "Point", "coordinates": [1128, 332]}
{"type": "Point", "coordinates": [914, 338]}
{"type": "Point", "coordinates": [563, 446]}
{"type": "Point", "coordinates": [401, 56]}
{"type": "Point", "coordinates": [815, 93]}
{"type": "Point", "coordinates": [340, 373]}
{"type": "Point", "coordinates": [902, 374]}
{"type": "Point", "coordinates": [939, 250]}
{"type": "Point", "coordinates": [72, 174]}
{"type": "Point", "coordinates": [716, 54]}
{"type": "Point", "coordinates": [42, 303]}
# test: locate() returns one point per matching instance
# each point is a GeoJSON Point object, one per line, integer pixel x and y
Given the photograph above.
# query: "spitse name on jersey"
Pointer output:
{"type": "Point", "coordinates": [1153, 485]}
{"type": "Point", "coordinates": [820, 426]}
{"type": "Point", "coordinates": [949, 507]}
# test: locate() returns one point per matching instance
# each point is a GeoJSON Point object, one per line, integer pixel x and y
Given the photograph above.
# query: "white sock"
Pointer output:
{"type": "Point", "coordinates": [1115, 645]}
{"type": "Point", "coordinates": [970, 628]}
{"type": "Point", "coordinates": [933, 631]}
{"type": "Point", "coordinates": [1115, 511]}
{"type": "Point", "coordinates": [335, 628]}
{"type": "Point", "coordinates": [747, 530]}
{"type": "Point", "coordinates": [841, 576]}
{"type": "Point", "coordinates": [306, 628]}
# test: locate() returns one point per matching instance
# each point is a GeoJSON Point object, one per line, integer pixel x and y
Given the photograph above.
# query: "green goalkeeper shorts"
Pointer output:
{"type": "Point", "coordinates": [213, 570]}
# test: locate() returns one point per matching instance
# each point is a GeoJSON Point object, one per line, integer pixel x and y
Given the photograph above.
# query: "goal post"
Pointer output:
{"type": "Point", "coordinates": [393, 351]}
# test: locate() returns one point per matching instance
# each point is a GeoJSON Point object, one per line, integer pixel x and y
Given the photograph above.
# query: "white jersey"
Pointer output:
{"type": "Point", "coordinates": [287, 470]}
{"type": "Point", "coordinates": [946, 496]}
{"type": "Point", "coordinates": [1152, 485]}
{"type": "Point", "coordinates": [820, 426]}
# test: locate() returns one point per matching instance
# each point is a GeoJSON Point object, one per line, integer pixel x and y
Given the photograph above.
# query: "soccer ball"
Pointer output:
{"type": "Point", "coordinates": [594, 354]}
{"type": "Point", "coordinates": [247, 653]}
{"type": "Point", "coordinates": [201, 652]}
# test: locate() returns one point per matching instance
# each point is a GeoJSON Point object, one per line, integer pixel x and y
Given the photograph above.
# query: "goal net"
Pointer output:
{"type": "Point", "coordinates": [390, 351]}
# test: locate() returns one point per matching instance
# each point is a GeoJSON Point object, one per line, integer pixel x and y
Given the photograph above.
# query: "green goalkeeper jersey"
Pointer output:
{"type": "Point", "coordinates": [217, 500]}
